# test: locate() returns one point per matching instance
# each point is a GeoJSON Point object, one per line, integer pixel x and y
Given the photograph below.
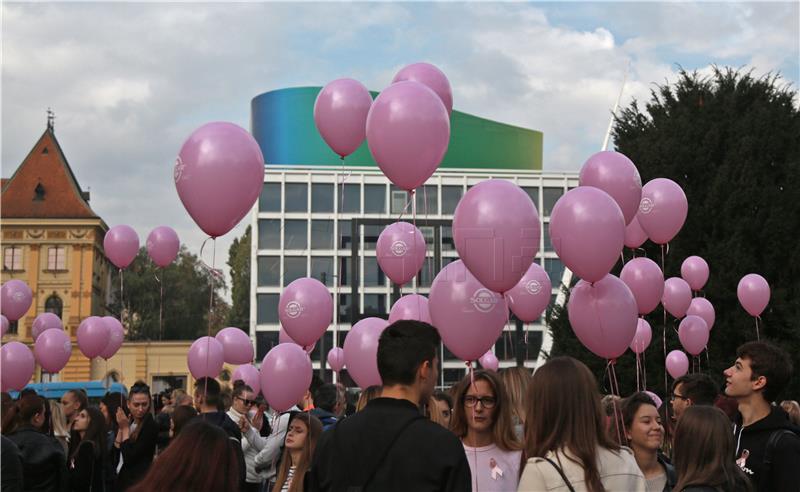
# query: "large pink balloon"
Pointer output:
{"type": "Point", "coordinates": [700, 306]}
{"type": "Point", "coordinates": [587, 230]}
{"type": "Point", "coordinates": [408, 130]}
{"type": "Point", "coordinates": [693, 334]}
{"type": "Point", "coordinates": [496, 231]}
{"type": "Point", "coordinates": [336, 358]}
{"type": "Point", "coordinates": [615, 174]}
{"type": "Point", "coordinates": [93, 336]}
{"type": "Point", "coordinates": [16, 366]}
{"type": "Point", "coordinates": [163, 245]}
{"type": "Point", "coordinates": [644, 278]}
{"type": "Point", "coordinates": [753, 293]}
{"type": "Point", "coordinates": [284, 337]}
{"type": "Point", "coordinates": [219, 174]}
{"type": "Point", "coordinates": [285, 376]}
{"type": "Point", "coordinates": [236, 345]}
{"type": "Point", "coordinates": [663, 210]}
{"type": "Point", "coordinates": [400, 251]}
{"type": "Point", "coordinates": [206, 358]}
{"type": "Point", "coordinates": [530, 297]}
{"type": "Point", "coordinates": [469, 316]}
{"type": "Point", "coordinates": [489, 361]}
{"type": "Point", "coordinates": [695, 271]}
{"type": "Point", "coordinates": [643, 336]}
{"type": "Point", "coordinates": [4, 325]}
{"type": "Point", "coordinates": [250, 375]}
{"type": "Point", "coordinates": [677, 296]}
{"type": "Point", "coordinates": [634, 234]}
{"type": "Point", "coordinates": [53, 350]}
{"type": "Point", "coordinates": [340, 113]}
{"type": "Point", "coordinates": [411, 306]}
{"type": "Point", "coordinates": [116, 335]}
{"type": "Point", "coordinates": [121, 245]}
{"type": "Point", "coordinates": [361, 351]}
{"type": "Point", "coordinates": [305, 310]}
{"type": "Point", "coordinates": [45, 321]}
{"type": "Point", "coordinates": [677, 364]}
{"type": "Point", "coordinates": [431, 76]}
{"type": "Point", "coordinates": [603, 316]}
{"type": "Point", "coordinates": [15, 299]}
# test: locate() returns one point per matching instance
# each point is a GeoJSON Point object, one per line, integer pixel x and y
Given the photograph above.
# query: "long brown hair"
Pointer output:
{"type": "Point", "coordinates": [201, 459]}
{"type": "Point", "coordinates": [516, 381]}
{"type": "Point", "coordinates": [314, 427]}
{"type": "Point", "coordinates": [564, 413]}
{"type": "Point", "coordinates": [95, 434]}
{"type": "Point", "coordinates": [22, 412]}
{"type": "Point", "coordinates": [704, 451]}
{"type": "Point", "coordinates": [502, 426]}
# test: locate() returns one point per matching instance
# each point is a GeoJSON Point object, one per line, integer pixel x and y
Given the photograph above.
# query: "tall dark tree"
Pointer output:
{"type": "Point", "coordinates": [239, 263]}
{"type": "Point", "coordinates": [187, 292]}
{"type": "Point", "coordinates": [732, 142]}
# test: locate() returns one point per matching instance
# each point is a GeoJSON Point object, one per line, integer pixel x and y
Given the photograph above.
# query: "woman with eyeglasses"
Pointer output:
{"type": "Point", "coordinates": [482, 420]}
{"type": "Point", "coordinates": [245, 415]}
{"type": "Point", "coordinates": [136, 437]}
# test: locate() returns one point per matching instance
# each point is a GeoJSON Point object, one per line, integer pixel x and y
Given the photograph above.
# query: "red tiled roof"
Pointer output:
{"type": "Point", "coordinates": [47, 166]}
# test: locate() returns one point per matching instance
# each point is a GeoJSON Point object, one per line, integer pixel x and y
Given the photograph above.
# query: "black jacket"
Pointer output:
{"type": "Point", "coordinates": [11, 469]}
{"type": "Point", "coordinates": [138, 455]}
{"type": "Point", "coordinates": [669, 470]}
{"type": "Point", "coordinates": [751, 442]}
{"type": "Point", "coordinates": [86, 469]}
{"type": "Point", "coordinates": [44, 465]}
{"type": "Point", "coordinates": [391, 442]}
{"type": "Point", "coordinates": [221, 420]}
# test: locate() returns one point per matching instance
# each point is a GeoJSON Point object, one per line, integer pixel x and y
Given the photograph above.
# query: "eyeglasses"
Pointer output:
{"type": "Point", "coordinates": [247, 402]}
{"type": "Point", "coordinates": [486, 401]}
{"type": "Point", "coordinates": [674, 396]}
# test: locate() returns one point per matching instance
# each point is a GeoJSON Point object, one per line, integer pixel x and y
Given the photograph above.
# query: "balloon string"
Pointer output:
{"type": "Point", "coordinates": [408, 203]}
{"type": "Point", "coordinates": [213, 273]}
{"type": "Point", "coordinates": [611, 380]}
{"type": "Point", "coordinates": [471, 373]}
{"type": "Point", "coordinates": [429, 264]}
{"type": "Point", "coordinates": [160, 307]}
{"type": "Point", "coordinates": [638, 370]}
{"type": "Point", "coordinates": [758, 335]}
{"type": "Point", "coordinates": [644, 370]}
{"type": "Point", "coordinates": [121, 297]}
{"type": "Point", "coordinates": [708, 360]}
{"type": "Point", "coordinates": [338, 282]}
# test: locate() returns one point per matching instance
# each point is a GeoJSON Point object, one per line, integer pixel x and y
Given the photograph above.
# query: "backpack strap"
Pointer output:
{"type": "Point", "coordinates": [560, 472]}
{"type": "Point", "coordinates": [772, 443]}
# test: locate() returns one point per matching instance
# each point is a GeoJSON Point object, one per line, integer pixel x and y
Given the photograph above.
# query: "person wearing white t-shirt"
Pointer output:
{"type": "Point", "coordinates": [482, 420]}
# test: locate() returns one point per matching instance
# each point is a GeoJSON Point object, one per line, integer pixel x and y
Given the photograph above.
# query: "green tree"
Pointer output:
{"type": "Point", "coordinates": [732, 142]}
{"type": "Point", "coordinates": [186, 290]}
{"type": "Point", "coordinates": [239, 263]}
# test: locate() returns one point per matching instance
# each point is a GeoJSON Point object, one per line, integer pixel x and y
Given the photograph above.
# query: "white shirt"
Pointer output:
{"type": "Point", "coordinates": [492, 469]}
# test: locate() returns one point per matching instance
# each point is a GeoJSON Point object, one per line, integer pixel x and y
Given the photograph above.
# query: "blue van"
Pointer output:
{"type": "Point", "coordinates": [95, 390]}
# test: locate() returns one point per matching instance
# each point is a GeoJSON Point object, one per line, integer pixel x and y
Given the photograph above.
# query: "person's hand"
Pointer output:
{"type": "Point", "coordinates": [244, 425]}
{"type": "Point", "coordinates": [258, 420]}
{"type": "Point", "coordinates": [122, 420]}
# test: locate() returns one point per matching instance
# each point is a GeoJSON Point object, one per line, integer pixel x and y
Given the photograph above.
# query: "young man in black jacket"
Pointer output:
{"type": "Point", "coordinates": [767, 445]}
{"type": "Point", "coordinates": [389, 446]}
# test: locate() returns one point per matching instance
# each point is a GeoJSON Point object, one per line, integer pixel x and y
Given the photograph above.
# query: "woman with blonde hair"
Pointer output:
{"type": "Point", "coordinates": [516, 381]}
{"type": "Point", "coordinates": [368, 394]}
{"type": "Point", "coordinates": [301, 441]}
{"type": "Point", "coordinates": [59, 425]}
{"type": "Point", "coordinates": [793, 409]}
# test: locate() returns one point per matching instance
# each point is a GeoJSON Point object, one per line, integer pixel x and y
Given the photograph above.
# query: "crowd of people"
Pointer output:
{"type": "Point", "coordinates": [509, 431]}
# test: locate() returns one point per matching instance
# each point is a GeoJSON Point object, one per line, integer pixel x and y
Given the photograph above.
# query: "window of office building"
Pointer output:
{"type": "Point", "coordinates": [265, 341]}
{"type": "Point", "coordinates": [344, 309]}
{"type": "Point", "coordinates": [399, 201]}
{"type": "Point", "coordinates": [427, 273]}
{"type": "Point", "coordinates": [350, 198]}
{"type": "Point", "coordinates": [321, 234]}
{"type": "Point", "coordinates": [371, 234]}
{"type": "Point", "coordinates": [554, 269]}
{"type": "Point", "coordinates": [296, 197]}
{"type": "Point", "coordinates": [533, 192]}
{"type": "Point", "coordinates": [448, 243]}
{"type": "Point", "coordinates": [270, 198]}
{"type": "Point", "coordinates": [269, 271]}
{"type": "Point", "coordinates": [450, 198]}
{"type": "Point", "coordinates": [325, 343]}
{"type": "Point", "coordinates": [322, 269]}
{"type": "Point", "coordinates": [269, 234]}
{"type": "Point", "coordinates": [294, 267]}
{"type": "Point", "coordinates": [548, 244]}
{"type": "Point", "coordinates": [374, 199]}
{"type": "Point", "coordinates": [344, 270]}
{"type": "Point", "coordinates": [267, 308]}
{"type": "Point", "coordinates": [373, 275]}
{"type": "Point", "coordinates": [345, 234]}
{"type": "Point", "coordinates": [427, 200]}
{"type": "Point", "coordinates": [375, 305]}
{"type": "Point", "coordinates": [549, 198]}
{"type": "Point", "coordinates": [295, 234]}
{"type": "Point", "coordinates": [452, 376]}
{"type": "Point", "coordinates": [322, 197]}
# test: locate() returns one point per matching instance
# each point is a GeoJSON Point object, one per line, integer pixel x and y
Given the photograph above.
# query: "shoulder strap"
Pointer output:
{"type": "Point", "coordinates": [560, 472]}
{"type": "Point", "coordinates": [772, 443]}
{"type": "Point", "coordinates": [389, 448]}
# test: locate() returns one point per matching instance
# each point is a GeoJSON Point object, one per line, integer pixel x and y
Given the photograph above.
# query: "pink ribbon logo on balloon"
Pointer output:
{"type": "Point", "coordinates": [399, 248]}
{"type": "Point", "coordinates": [179, 165]}
{"type": "Point", "coordinates": [294, 309]}
{"type": "Point", "coordinates": [533, 287]}
{"type": "Point", "coordinates": [646, 206]}
{"type": "Point", "coordinates": [483, 300]}
{"type": "Point", "coordinates": [18, 296]}
{"type": "Point", "coordinates": [67, 346]}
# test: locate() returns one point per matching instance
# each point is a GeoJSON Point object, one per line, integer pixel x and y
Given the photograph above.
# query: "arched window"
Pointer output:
{"type": "Point", "coordinates": [54, 305]}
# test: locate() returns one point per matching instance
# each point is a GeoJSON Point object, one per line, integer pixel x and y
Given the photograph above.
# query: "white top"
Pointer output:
{"type": "Point", "coordinates": [288, 482]}
{"type": "Point", "coordinates": [492, 469]}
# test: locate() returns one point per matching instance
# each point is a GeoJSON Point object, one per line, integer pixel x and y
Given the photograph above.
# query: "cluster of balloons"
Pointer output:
{"type": "Point", "coordinates": [121, 244]}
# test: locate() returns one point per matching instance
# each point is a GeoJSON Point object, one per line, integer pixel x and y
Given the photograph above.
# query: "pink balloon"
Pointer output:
{"type": "Point", "coordinates": [121, 245]}
{"type": "Point", "coordinates": [693, 334]}
{"type": "Point", "coordinates": [163, 245]}
{"type": "Point", "coordinates": [305, 310]}
{"type": "Point", "coordinates": [677, 296]}
{"type": "Point", "coordinates": [285, 376]}
{"type": "Point", "coordinates": [93, 336]}
{"type": "Point", "coordinates": [250, 375]}
{"type": "Point", "coordinates": [700, 306]}
{"type": "Point", "coordinates": [677, 364]}
{"type": "Point", "coordinates": [408, 131]}
{"type": "Point", "coordinates": [489, 361]}
{"type": "Point", "coordinates": [587, 230]}
{"type": "Point", "coordinates": [663, 210]}
{"type": "Point", "coordinates": [45, 321]}
{"type": "Point", "coordinates": [340, 113]}
{"type": "Point", "coordinates": [695, 271]}
{"type": "Point", "coordinates": [644, 278]}
{"type": "Point", "coordinates": [496, 231]}
{"type": "Point", "coordinates": [361, 351]}
{"type": "Point", "coordinates": [219, 174]}
{"type": "Point", "coordinates": [336, 359]}
{"type": "Point", "coordinates": [4, 325]}
{"type": "Point", "coordinates": [603, 316]}
{"type": "Point", "coordinates": [655, 399]}
{"type": "Point", "coordinates": [15, 299]}
{"type": "Point", "coordinates": [16, 366]}
{"type": "Point", "coordinates": [53, 350]}
{"type": "Point", "coordinates": [615, 174]}
{"type": "Point", "coordinates": [400, 251]}
{"type": "Point", "coordinates": [634, 234]}
{"type": "Point", "coordinates": [431, 76]}
{"type": "Point", "coordinates": [236, 345]}
{"type": "Point", "coordinates": [469, 316]}
{"type": "Point", "coordinates": [116, 335]}
{"type": "Point", "coordinates": [530, 297]}
{"type": "Point", "coordinates": [643, 336]}
{"type": "Point", "coordinates": [206, 358]}
{"type": "Point", "coordinates": [284, 337]}
{"type": "Point", "coordinates": [753, 293]}
{"type": "Point", "coordinates": [411, 306]}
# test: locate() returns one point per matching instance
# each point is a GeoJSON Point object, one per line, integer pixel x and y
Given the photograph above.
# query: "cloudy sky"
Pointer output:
{"type": "Point", "coordinates": [129, 82]}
